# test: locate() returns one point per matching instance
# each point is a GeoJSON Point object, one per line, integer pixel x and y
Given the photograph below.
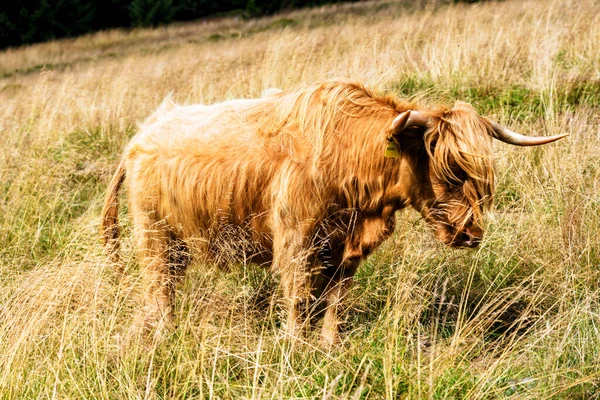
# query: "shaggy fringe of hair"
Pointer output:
{"type": "Point", "coordinates": [457, 140]}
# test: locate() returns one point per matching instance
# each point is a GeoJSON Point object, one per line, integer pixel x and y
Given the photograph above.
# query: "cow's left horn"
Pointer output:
{"type": "Point", "coordinates": [410, 118]}
{"type": "Point", "coordinates": [507, 136]}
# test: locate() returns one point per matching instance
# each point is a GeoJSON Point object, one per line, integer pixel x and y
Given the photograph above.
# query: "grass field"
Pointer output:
{"type": "Point", "coordinates": [519, 317]}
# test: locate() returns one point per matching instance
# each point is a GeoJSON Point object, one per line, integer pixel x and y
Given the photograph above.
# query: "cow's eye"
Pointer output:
{"type": "Point", "coordinates": [457, 177]}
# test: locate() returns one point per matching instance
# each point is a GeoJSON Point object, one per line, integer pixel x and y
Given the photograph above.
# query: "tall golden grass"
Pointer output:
{"type": "Point", "coordinates": [517, 318]}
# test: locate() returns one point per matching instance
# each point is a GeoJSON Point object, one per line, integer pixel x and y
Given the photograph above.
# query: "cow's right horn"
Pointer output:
{"type": "Point", "coordinates": [507, 136]}
{"type": "Point", "coordinates": [410, 118]}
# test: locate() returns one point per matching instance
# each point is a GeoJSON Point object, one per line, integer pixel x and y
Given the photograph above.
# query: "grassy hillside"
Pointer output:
{"type": "Point", "coordinates": [519, 317]}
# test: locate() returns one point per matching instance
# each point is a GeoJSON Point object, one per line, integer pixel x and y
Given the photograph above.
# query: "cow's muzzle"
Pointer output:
{"type": "Point", "coordinates": [469, 237]}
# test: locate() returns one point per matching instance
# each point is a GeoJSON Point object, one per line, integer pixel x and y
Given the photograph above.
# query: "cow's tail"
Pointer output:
{"type": "Point", "coordinates": [110, 213]}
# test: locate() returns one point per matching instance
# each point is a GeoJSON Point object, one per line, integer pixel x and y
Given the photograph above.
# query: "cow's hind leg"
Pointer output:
{"type": "Point", "coordinates": [163, 259]}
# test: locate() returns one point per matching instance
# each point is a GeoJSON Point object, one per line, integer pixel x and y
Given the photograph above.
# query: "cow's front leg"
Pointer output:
{"type": "Point", "coordinates": [297, 298]}
{"type": "Point", "coordinates": [290, 262]}
{"type": "Point", "coordinates": [333, 295]}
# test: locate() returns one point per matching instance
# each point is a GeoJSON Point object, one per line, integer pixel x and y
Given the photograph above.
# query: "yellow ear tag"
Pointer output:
{"type": "Point", "coordinates": [392, 150]}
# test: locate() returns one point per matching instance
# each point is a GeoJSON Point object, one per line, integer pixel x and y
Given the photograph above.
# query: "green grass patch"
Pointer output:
{"type": "Point", "coordinates": [519, 102]}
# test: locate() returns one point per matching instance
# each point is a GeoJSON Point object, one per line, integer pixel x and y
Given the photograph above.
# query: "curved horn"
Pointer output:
{"type": "Point", "coordinates": [507, 136]}
{"type": "Point", "coordinates": [410, 118]}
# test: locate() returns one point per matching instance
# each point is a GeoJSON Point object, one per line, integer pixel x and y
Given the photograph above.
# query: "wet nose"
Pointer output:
{"type": "Point", "coordinates": [470, 239]}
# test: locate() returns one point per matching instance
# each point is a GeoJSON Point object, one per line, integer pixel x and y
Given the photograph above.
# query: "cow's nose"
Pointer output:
{"type": "Point", "coordinates": [470, 239]}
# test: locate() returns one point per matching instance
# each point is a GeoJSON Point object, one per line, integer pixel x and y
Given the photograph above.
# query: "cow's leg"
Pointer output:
{"type": "Point", "coordinates": [367, 233]}
{"type": "Point", "coordinates": [331, 320]}
{"type": "Point", "coordinates": [163, 259]}
{"type": "Point", "coordinates": [179, 257]}
{"type": "Point", "coordinates": [290, 262]}
{"type": "Point", "coordinates": [152, 244]}
{"type": "Point", "coordinates": [333, 295]}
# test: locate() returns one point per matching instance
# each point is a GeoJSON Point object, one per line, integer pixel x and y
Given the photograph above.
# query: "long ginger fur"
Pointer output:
{"type": "Point", "coordinates": [297, 180]}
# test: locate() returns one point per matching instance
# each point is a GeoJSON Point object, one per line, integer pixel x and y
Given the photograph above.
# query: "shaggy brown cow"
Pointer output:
{"type": "Point", "coordinates": [307, 181]}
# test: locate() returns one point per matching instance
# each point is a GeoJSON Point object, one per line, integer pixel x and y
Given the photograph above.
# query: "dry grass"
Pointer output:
{"type": "Point", "coordinates": [517, 318]}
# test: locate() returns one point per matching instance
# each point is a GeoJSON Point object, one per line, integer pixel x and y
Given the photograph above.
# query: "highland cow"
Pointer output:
{"type": "Point", "coordinates": [305, 181]}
